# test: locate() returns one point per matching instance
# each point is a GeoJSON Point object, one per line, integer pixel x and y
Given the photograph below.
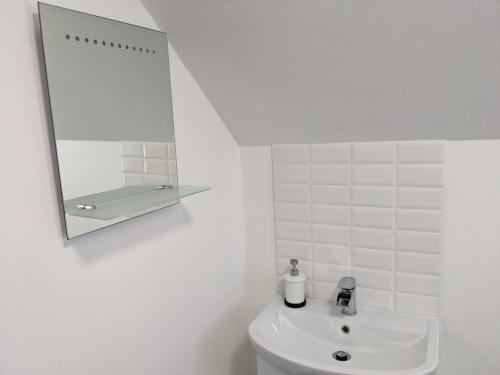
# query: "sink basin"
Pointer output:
{"type": "Point", "coordinates": [302, 341]}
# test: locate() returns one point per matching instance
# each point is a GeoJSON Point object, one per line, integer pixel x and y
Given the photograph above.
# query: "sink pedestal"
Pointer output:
{"type": "Point", "coordinates": [265, 368]}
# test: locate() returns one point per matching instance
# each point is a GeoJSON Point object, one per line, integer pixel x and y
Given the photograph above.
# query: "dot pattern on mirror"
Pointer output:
{"type": "Point", "coordinates": [111, 44]}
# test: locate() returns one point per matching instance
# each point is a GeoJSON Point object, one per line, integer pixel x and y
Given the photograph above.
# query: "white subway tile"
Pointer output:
{"type": "Point", "coordinates": [292, 231]}
{"type": "Point", "coordinates": [298, 174]}
{"type": "Point", "coordinates": [372, 258]}
{"type": "Point", "coordinates": [394, 230]}
{"type": "Point", "coordinates": [154, 179]}
{"type": "Point", "coordinates": [283, 266]}
{"type": "Point", "coordinates": [130, 179]}
{"type": "Point", "coordinates": [329, 272]}
{"type": "Point", "coordinates": [421, 175]}
{"type": "Point", "coordinates": [291, 249]}
{"type": "Point", "coordinates": [154, 166]}
{"type": "Point", "coordinates": [373, 175]}
{"type": "Point", "coordinates": [420, 220]}
{"type": "Point", "coordinates": [297, 212]}
{"type": "Point", "coordinates": [291, 193]}
{"type": "Point", "coordinates": [340, 195]}
{"type": "Point", "coordinates": [334, 254]}
{"type": "Point", "coordinates": [375, 299]}
{"type": "Point", "coordinates": [309, 288]}
{"type": "Point", "coordinates": [280, 283]}
{"type": "Point", "coordinates": [336, 215]}
{"type": "Point", "coordinates": [373, 279]}
{"type": "Point", "coordinates": [421, 198]}
{"type": "Point", "coordinates": [172, 167]}
{"type": "Point", "coordinates": [172, 153]}
{"type": "Point", "coordinates": [173, 180]}
{"type": "Point", "coordinates": [330, 174]}
{"type": "Point", "coordinates": [417, 263]}
{"type": "Point", "coordinates": [156, 150]}
{"type": "Point", "coordinates": [135, 165]}
{"type": "Point", "coordinates": [373, 238]}
{"type": "Point", "coordinates": [421, 152]}
{"type": "Point", "coordinates": [331, 153]}
{"type": "Point", "coordinates": [285, 154]}
{"type": "Point", "coordinates": [418, 242]}
{"type": "Point", "coordinates": [373, 217]}
{"type": "Point", "coordinates": [373, 196]}
{"type": "Point", "coordinates": [415, 304]}
{"type": "Point", "coordinates": [374, 153]}
{"type": "Point", "coordinates": [132, 149]}
{"type": "Point", "coordinates": [418, 284]}
{"type": "Point", "coordinates": [329, 234]}
{"type": "Point", "coordinates": [325, 291]}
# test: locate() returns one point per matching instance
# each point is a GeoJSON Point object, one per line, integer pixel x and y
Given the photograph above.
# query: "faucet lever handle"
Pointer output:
{"type": "Point", "coordinates": [347, 283]}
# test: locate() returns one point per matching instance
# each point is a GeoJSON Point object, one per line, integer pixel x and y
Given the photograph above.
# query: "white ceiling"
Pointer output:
{"type": "Point", "coordinates": [305, 71]}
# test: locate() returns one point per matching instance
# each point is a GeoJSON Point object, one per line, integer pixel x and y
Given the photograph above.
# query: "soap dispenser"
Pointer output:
{"type": "Point", "coordinates": [295, 291]}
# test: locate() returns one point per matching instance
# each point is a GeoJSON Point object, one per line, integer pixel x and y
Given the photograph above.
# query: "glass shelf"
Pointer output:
{"type": "Point", "coordinates": [128, 201]}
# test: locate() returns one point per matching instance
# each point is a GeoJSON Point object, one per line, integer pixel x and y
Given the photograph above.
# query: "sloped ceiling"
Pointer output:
{"type": "Point", "coordinates": [304, 71]}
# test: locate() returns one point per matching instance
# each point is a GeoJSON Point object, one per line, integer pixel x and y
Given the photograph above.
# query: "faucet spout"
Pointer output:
{"type": "Point", "coordinates": [346, 297]}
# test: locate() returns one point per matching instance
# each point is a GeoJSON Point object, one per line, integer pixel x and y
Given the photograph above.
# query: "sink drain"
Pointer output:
{"type": "Point", "coordinates": [345, 329]}
{"type": "Point", "coordinates": [342, 356]}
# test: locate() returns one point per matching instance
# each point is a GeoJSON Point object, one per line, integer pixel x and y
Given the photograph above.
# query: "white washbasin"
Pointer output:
{"type": "Point", "coordinates": [301, 341]}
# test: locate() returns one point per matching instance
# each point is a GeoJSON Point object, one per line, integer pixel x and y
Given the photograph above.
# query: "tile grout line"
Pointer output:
{"type": "Point", "coordinates": [309, 166]}
{"type": "Point", "coordinates": [144, 158]}
{"type": "Point", "coordinates": [396, 159]}
{"type": "Point", "coordinates": [444, 219]}
{"type": "Point", "coordinates": [351, 147]}
{"type": "Point", "coordinates": [274, 225]}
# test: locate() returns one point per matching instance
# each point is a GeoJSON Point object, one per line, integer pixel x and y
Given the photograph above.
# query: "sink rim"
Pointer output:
{"type": "Point", "coordinates": [271, 351]}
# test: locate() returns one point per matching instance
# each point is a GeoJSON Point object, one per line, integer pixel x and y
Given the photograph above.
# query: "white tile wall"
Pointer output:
{"type": "Point", "coordinates": [372, 210]}
{"type": "Point", "coordinates": [133, 149]}
{"type": "Point", "coordinates": [292, 174]}
{"type": "Point", "coordinates": [132, 164]}
{"type": "Point", "coordinates": [339, 195]}
{"type": "Point", "coordinates": [375, 175]}
{"type": "Point", "coordinates": [297, 212]}
{"type": "Point", "coordinates": [156, 150]}
{"type": "Point", "coordinates": [338, 153]}
{"type": "Point", "coordinates": [334, 254]}
{"type": "Point", "coordinates": [152, 179]}
{"type": "Point", "coordinates": [326, 214]}
{"type": "Point", "coordinates": [149, 163]}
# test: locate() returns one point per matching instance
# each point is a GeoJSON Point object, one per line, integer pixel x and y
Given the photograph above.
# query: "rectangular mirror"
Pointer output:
{"type": "Point", "coordinates": [111, 105]}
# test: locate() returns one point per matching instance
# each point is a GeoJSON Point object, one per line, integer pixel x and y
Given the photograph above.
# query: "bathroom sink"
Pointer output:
{"type": "Point", "coordinates": [303, 341]}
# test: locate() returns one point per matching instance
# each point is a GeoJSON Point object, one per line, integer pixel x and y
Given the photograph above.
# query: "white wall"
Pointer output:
{"type": "Point", "coordinates": [256, 169]}
{"type": "Point", "coordinates": [471, 262]}
{"type": "Point", "coordinates": [160, 294]}
{"type": "Point", "coordinates": [166, 293]}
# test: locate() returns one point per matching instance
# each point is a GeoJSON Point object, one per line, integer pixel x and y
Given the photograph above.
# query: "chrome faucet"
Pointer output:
{"type": "Point", "coordinates": [347, 295]}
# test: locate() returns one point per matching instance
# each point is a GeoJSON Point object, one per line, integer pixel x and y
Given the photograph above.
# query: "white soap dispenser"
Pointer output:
{"type": "Point", "coordinates": [295, 291]}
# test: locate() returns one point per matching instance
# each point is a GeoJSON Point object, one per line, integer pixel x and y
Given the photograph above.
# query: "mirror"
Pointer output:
{"type": "Point", "coordinates": [111, 106]}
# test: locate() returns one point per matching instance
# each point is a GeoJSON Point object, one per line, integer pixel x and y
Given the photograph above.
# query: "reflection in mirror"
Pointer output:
{"type": "Point", "coordinates": [110, 98]}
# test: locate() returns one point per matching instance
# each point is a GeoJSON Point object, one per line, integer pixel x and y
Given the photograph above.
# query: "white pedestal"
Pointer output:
{"type": "Point", "coordinates": [265, 368]}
